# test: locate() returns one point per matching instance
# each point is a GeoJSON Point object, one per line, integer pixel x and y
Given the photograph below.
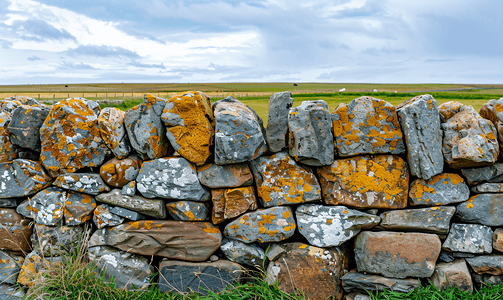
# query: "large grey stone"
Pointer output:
{"type": "Point", "coordinates": [56, 241]}
{"type": "Point", "coordinates": [277, 122]}
{"type": "Point", "coordinates": [441, 189]}
{"type": "Point", "coordinates": [226, 176]}
{"type": "Point", "coordinates": [48, 206]}
{"type": "Point", "coordinates": [150, 207]}
{"type": "Point", "coordinates": [10, 266]}
{"type": "Point", "coordinates": [328, 226]}
{"type": "Point", "coordinates": [485, 209]}
{"type": "Point", "coordinates": [24, 127]}
{"type": "Point", "coordinates": [452, 274]}
{"type": "Point", "coordinates": [22, 177]}
{"type": "Point", "coordinates": [430, 220]}
{"type": "Point", "coordinates": [491, 174]}
{"type": "Point", "coordinates": [368, 282]}
{"type": "Point", "coordinates": [113, 131]}
{"type": "Point", "coordinates": [89, 183]}
{"type": "Point", "coordinates": [241, 253]}
{"type": "Point", "coordinates": [487, 264]}
{"type": "Point", "coordinates": [469, 238]}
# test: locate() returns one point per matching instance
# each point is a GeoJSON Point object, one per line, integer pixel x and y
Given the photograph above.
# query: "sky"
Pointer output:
{"type": "Point", "coordinates": [361, 41]}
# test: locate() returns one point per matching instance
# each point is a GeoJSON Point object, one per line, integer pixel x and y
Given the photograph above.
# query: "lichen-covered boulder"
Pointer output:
{"type": "Point", "coordinates": [70, 137]}
{"type": "Point", "coordinates": [367, 125]}
{"type": "Point", "coordinates": [381, 181]}
{"type": "Point", "coordinates": [56, 241]}
{"type": "Point", "coordinates": [469, 140]}
{"type": "Point", "coordinates": [24, 127]}
{"type": "Point", "coordinates": [493, 111]}
{"type": "Point", "coordinates": [48, 206]}
{"type": "Point", "coordinates": [420, 123]}
{"type": "Point", "coordinates": [103, 217]}
{"type": "Point", "coordinates": [241, 253]}
{"type": "Point", "coordinates": [277, 122]}
{"type": "Point", "coordinates": [226, 176]}
{"type": "Point", "coordinates": [15, 231]}
{"type": "Point", "coordinates": [22, 177]}
{"type": "Point", "coordinates": [8, 151]}
{"type": "Point", "coordinates": [452, 274]}
{"type": "Point", "coordinates": [430, 220]}
{"type": "Point", "coordinates": [188, 211]}
{"type": "Point", "coordinates": [150, 207]}
{"type": "Point", "coordinates": [78, 208]}
{"type": "Point", "coordinates": [490, 174]}
{"type": "Point", "coordinates": [238, 132]}
{"type": "Point", "coordinates": [282, 181]}
{"type": "Point", "coordinates": [119, 172]}
{"type": "Point", "coordinates": [485, 209]}
{"type": "Point", "coordinates": [89, 183]}
{"type": "Point", "coordinates": [310, 134]}
{"type": "Point", "coordinates": [441, 189]}
{"type": "Point", "coordinates": [230, 203]}
{"type": "Point", "coordinates": [35, 264]}
{"type": "Point", "coordinates": [189, 125]}
{"type": "Point", "coordinates": [113, 131]}
{"type": "Point", "coordinates": [469, 238]}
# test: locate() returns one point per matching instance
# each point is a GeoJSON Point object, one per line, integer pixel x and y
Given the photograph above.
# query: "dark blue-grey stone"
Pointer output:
{"type": "Point", "coordinates": [485, 209]}
{"type": "Point", "coordinates": [24, 127]}
{"type": "Point", "coordinates": [128, 214]}
{"type": "Point", "coordinates": [277, 122]}
{"type": "Point", "coordinates": [469, 238]}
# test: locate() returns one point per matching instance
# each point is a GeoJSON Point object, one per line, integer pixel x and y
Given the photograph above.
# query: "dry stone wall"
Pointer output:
{"type": "Point", "coordinates": [368, 197]}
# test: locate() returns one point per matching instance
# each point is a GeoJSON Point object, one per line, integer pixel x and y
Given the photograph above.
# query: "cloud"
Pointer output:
{"type": "Point", "coordinates": [6, 44]}
{"type": "Point", "coordinates": [34, 58]}
{"type": "Point", "coordinates": [101, 51]}
{"type": "Point", "coordinates": [143, 65]}
{"type": "Point", "coordinates": [437, 60]}
{"type": "Point", "coordinates": [74, 66]}
{"type": "Point", "coordinates": [39, 30]}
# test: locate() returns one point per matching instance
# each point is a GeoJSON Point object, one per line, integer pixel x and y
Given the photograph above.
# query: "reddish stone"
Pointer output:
{"type": "Point", "coordinates": [230, 203]}
{"type": "Point", "coordinates": [15, 231]}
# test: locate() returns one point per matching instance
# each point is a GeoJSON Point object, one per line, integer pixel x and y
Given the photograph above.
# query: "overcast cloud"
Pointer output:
{"type": "Point", "coordinates": [378, 41]}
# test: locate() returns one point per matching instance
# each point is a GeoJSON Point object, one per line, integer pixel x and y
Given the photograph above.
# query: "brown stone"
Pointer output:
{"type": "Point", "coordinates": [15, 231]}
{"type": "Point", "coordinates": [226, 176]}
{"type": "Point", "coordinates": [381, 181]}
{"type": "Point", "coordinates": [119, 172]}
{"type": "Point", "coordinates": [230, 203]}
{"type": "Point", "coordinates": [452, 274]}
{"type": "Point", "coordinates": [498, 239]}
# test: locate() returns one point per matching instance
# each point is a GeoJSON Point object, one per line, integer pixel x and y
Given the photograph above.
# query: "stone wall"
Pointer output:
{"type": "Point", "coordinates": [368, 197]}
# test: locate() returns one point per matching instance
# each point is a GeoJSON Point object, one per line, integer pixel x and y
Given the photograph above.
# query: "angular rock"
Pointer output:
{"type": "Point", "coordinates": [170, 178]}
{"type": "Point", "coordinates": [11, 292]}
{"type": "Point", "coordinates": [469, 238]}
{"type": "Point", "coordinates": [22, 177]}
{"type": "Point", "coordinates": [487, 188]}
{"type": "Point", "coordinates": [230, 203]}
{"type": "Point", "coordinates": [315, 271]}
{"type": "Point", "coordinates": [469, 140]}
{"type": "Point", "coordinates": [492, 110]}
{"type": "Point", "coordinates": [29, 155]}
{"type": "Point", "coordinates": [34, 265]}
{"type": "Point", "coordinates": [103, 217]}
{"type": "Point", "coordinates": [453, 274]}
{"type": "Point", "coordinates": [420, 123]}
{"type": "Point", "coordinates": [24, 127]}
{"type": "Point", "coordinates": [48, 206]}
{"type": "Point", "coordinates": [56, 241]}
{"type": "Point", "coordinates": [70, 137]}
{"type": "Point", "coordinates": [8, 151]}
{"type": "Point", "coordinates": [498, 239]}
{"type": "Point", "coordinates": [150, 207]}
{"type": "Point", "coordinates": [446, 256]}
{"type": "Point", "coordinates": [119, 172]}
{"type": "Point", "coordinates": [189, 125]}
{"type": "Point", "coordinates": [491, 174]}
{"type": "Point", "coordinates": [113, 131]}
{"type": "Point", "coordinates": [277, 122]}
{"type": "Point", "coordinates": [128, 271]}
{"type": "Point", "coordinates": [367, 282]}
{"type": "Point", "coordinates": [367, 125]}
{"type": "Point", "coordinates": [275, 250]}
{"type": "Point", "coordinates": [430, 220]}
{"type": "Point", "coordinates": [188, 211]}
{"type": "Point", "coordinates": [442, 189]}
{"type": "Point", "coordinates": [481, 280]}
{"type": "Point", "coordinates": [310, 134]}
{"type": "Point", "coordinates": [183, 277]}
{"type": "Point", "coordinates": [89, 183]}
{"type": "Point", "coordinates": [328, 226]}
{"type": "Point", "coordinates": [381, 181]}
{"type": "Point", "coordinates": [281, 181]}
{"type": "Point", "coordinates": [128, 214]}
{"type": "Point", "coordinates": [397, 254]}
{"type": "Point", "coordinates": [226, 176]}
{"type": "Point", "coordinates": [9, 202]}
{"type": "Point", "coordinates": [485, 209]}
{"type": "Point", "coordinates": [487, 264]}
{"type": "Point", "coordinates": [129, 189]}
{"type": "Point", "coordinates": [78, 208]}
{"type": "Point", "coordinates": [15, 231]}
{"type": "Point", "coordinates": [190, 241]}
{"type": "Point", "coordinates": [265, 225]}
{"type": "Point", "coordinates": [357, 296]}
{"type": "Point", "coordinates": [10, 265]}
{"type": "Point", "coordinates": [241, 253]}
{"type": "Point", "coordinates": [238, 133]}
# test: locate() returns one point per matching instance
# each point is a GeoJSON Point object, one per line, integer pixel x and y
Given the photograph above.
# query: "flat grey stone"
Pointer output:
{"type": "Point", "coordinates": [103, 217]}
{"type": "Point", "coordinates": [367, 282]}
{"type": "Point", "coordinates": [491, 174]}
{"type": "Point", "coordinates": [8, 202]}
{"type": "Point", "coordinates": [22, 177]}
{"type": "Point", "coordinates": [189, 211]}
{"type": "Point", "coordinates": [441, 189]}
{"type": "Point", "coordinates": [128, 214]}
{"type": "Point", "coordinates": [226, 176]}
{"type": "Point", "coordinates": [485, 209]}
{"type": "Point", "coordinates": [48, 205]}
{"type": "Point", "coordinates": [487, 264]}
{"type": "Point", "coordinates": [24, 127]}
{"type": "Point", "coordinates": [430, 220]}
{"type": "Point", "coordinates": [150, 207]}
{"type": "Point", "coordinates": [487, 188]}
{"type": "Point", "coordinates": [10, 266]}
{"type": "Point", "coordinates": [241, 253]}
{"type": "Point", "coordinates": [469, 238]}
{"type": "Point", "coordinates": [277, 122]}
{"type": "Point", "coordinates": [89, 183]}
{"type": "Point", "coordinates": [56, 241]}
{"type": "Point", "coordinates": [452, 274]}
{"type": "Point", "coordinates": [462, 255]}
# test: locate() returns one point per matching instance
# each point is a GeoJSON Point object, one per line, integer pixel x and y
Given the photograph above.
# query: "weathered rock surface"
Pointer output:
{"type": "Point", "coordinates": [10, 265]}
{"type": "Point", "coordinates": [226, 176]}
{"type": "Point", "coordinates": [129, 189]}
{"type": "Point", "coordinates": [362, 281]}
{"type": "Point", "coordinates": [480, 280]}
{"type": "Point", "coordinates": [277, 121]}
{"type": "Point", "coordinates": [188, 211]}
{"type": "Point", "coordinates": [453, 274]}
{"type": "Point", "coordinates": [89, 183]}
{"type": "Point", "coordinates": [15, 231]}
{"type": "Point", "coordinates": [282, 181]}
{"type": "Point", "coordinates": [265, 225]}
{"type": "Point", "coordinates": [35, 264]}
{"type": "Point", "coordinates": [487, 188]}
{"type": "Point", "coordinates": [191, 241]}
{"type": "Point", "coordinates": [113, 131]}
{"type": "Point", "coordinates": [430, 220]}
{"type": "Point", "coordinates": [315, 271]}
{"type": "Point", "coordinates": [189, 125]}
{"type": "Point", "coordinates": [8, 151]}
{"type": "Point", "coordinates": [498, 239]}
{"type": "Point", "coordinates": [78, 208]}
{"type": "Point", "coordinates": [469, 238]}
{"type": "Point", "coordinates": [485, 209]}
{"type": "Point", "coordinates": [128, 214]}
{"type": "Point", "coordinates": [487, 264]}
{"type": "Point", "coordinates": [491, 174]}
{"type": "Point", "coordinates": [103, 217]}
{"type": "Point", "coordinates": [11, 292]}
{"type": "Point", "coordinates": [48, 206]}
{"type": "Point", "coordinates": [367, 125]}
{"type": "Point", "coordinates": [119, 172]}
{"type": "Point", "coordinates": [24, 127]}
{"type": "Point", "coordinates": [150, 207]}
{"type": "Point", "coordinates": [170, 178]}
{"type": "Point", "coordinates": [381, 181]}
{"type": "Point", "coordinates": [397, 254]}
{"type": "Point", "coordinates": [127, 270]}
{"type": "Point", "coordinates": [238, 133]}
{"type": "Point", "coordinates": [311, 139]}
{"type": "Point", "coordinates": [182, 277]}
{"type": "Point", "coordinates": [327, 226]}
{"type": "Point", "coordinates": [56, 241]}
{"type": "Point", "coordinates": [22, 177]}
{"type": "Point", "coordinates": [230, 203]}
{"type": "Point", "coordinates": [9, 202]}
{"type": "Point", "coordinates": [442, 189]}
{"type": "Point", "coordinates": [469, 140]}
{"type": "Point", "coordinates": [241, 253]}
{"type": "Point", "coordinates": [492, 110]}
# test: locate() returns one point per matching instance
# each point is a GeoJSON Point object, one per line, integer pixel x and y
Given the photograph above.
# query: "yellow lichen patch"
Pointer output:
{"type": "Point", "coordinates": [210, 228]}
{"type": "Point", "coordinates": [147, 224]}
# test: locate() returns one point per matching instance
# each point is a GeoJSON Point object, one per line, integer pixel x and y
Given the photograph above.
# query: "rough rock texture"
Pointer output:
{"type": "Point", "coordinates": [480, 280]}
{"type": "Point", "coordinates": [230, 203]}
{"type": "Point", "coordinates": [183, 277]}
{"type": "Point", "coordinates": [487, 188]}
{"type": "Point", "coordinates": [24, 127]}
{"type": "Point", "coordinates": [189, 125]}
{"type": "Point", "coordinates": [48, 206]}
{"type": "Point", "coordinates": [485, 209]}
{"type": "Point", "coordinates": [128, 214]}
{"type": "Point", "coordinates": [78, 208]}
{"type": "Point", "coordinates": [70, 137]}
{"type": "Point", "coordinates": [15, 231]}
{"type": "Point", "coordinates": [327, 226]}
{"type": "Point", "coordinates": [103, 217]}
{"type": "Point", "coordinates": [129, 189]}
{"type": "Point", "coordinates": [277, 121]}
{"type": "Point", "coordinates": [127, 270]}
{"type": "Point", "coordinates": [265, 225]}
{"type": "Point", "coordinates": [487, 264]}
{"type": "Point", "coordinates": [8, 151]}
{"type": "Point", "coordinates": [493, 111]}
{"type": "Point", "coordinates": [22, 177]}
{"type": "Point", "coordinates": [89, 183]}
{"type": "Point", "coordinates": [10, 265]}
{"type": "Point", "coordinates": [315, 271]}
{"type": "Point", "coordinates": [119, 172]}
{"type": "Point", "coordinates": [241, 253]}
{"type": "Point", "coordinates": [11, 292]}
{"type": "Point", "coordinates": [9, 202]}
{"type": "Point", "coordinates": [442, 189]}
{"type": "Point", "coordinates": [491, 174]}
{"type": "Point", "coordinates": [420, 123]}
{"type": "Point", "coordinates": [113, 132]}
{"type": "Point", "coordinates": [34, 264]}
{"type": "Point", "coordinates": [311, 139]}
{"type": "Point", "coordinates": [469, 140]}
{"type": "Point", "coordinates": [448, 275]}
{"type": "Point", "coordinates": [281, 181]}
{"type": "Point", "coordinates": [238, 132]}
{"type": "Point", "coordinates": [362, 281]}
{"type": "Point", "coordinates": [191, 241]}
{"type": "Point", "coordinates": [226, 176]}
{"type": "Point", "coordinates": [469, 238]}
{"type": "Point", "coordinates": [430, 220]}
{"type": "Point", "coordinates": [56, 241]}
{"type": "Point", "coordinates": [367, 125]}
{"type": "Point", "coordinates": [189, 211]}
{"type": "Point", "coordinates": [170, 178]}
{"type": "Point", "coordinates": [397, 254]}
{"type": "Point", "coordinates": [150, 207]}
{"type": "Point", "coordinates": [381, 181]}
{"type": "Point", "coordinates": [498, 239]}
